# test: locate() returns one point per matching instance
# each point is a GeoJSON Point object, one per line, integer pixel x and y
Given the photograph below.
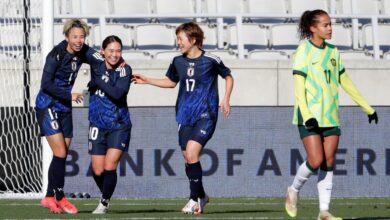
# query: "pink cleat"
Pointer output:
{"type": "Point", "coordinates": [66, 206]}
{"type": "Point", "coordinates": [50, 203]}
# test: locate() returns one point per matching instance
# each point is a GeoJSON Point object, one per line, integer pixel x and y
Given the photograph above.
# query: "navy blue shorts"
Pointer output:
{"type": "Point", "coordinates": [100, 140]}
{"type": "Point", "coordinates": [51, 122]}
{"type": "Point", "coordinates": [201, 132]}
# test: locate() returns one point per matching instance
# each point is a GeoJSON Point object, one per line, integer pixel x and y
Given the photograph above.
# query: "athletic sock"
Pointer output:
{"type": "Point", "coordinates": [194, 174]}
{"type": "Point", "coordinates": [57, 176]}
{"type": "Point", "coordinates": [303, 174]}
{"type": "Point", "coordinates": [99, 180]}
{"type": "Point", "coordinates": [324, 186]}
{"type": "Point", "coordinates": [109, 184]}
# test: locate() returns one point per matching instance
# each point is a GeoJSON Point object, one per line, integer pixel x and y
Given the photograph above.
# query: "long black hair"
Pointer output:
{"type": "Point", "coordinates": [308, 19]}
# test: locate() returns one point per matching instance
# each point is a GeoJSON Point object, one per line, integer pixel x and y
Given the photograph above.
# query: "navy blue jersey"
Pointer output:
{"type": "Point", "coordinates": [59, 74]}
{"type": "Point", "coordinates": [108, 96]}
{"type": "Point", "coordinates": [198, 89]}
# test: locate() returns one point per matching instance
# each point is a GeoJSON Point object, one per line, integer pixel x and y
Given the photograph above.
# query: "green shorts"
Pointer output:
{"type": "Point", "coordinates": [323, 132]}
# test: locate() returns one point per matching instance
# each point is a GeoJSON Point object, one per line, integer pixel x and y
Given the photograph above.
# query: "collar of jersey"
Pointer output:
{"type": "Point", "coordinates": [319, 47]}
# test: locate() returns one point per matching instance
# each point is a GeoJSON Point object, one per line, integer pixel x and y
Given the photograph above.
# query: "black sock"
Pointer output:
{"type": "Point", "coordinates": [194, 174]}
{"type": "Point", "coordinates": [50, 187]}
{"type": "Point", "coordinates": [99, 180]}
{"type": "Point", "coordinates": [109, 183]}
{"type": "Point", "coordinates": [57, 176]}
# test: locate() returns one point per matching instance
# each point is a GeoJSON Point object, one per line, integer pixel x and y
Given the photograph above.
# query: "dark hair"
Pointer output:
{"type": "Point", "coordinates": [192, 31]}
{"type": "Point", "coordinates": [308, 19]}
{"type": "Point", "coordinates": [111, 39]}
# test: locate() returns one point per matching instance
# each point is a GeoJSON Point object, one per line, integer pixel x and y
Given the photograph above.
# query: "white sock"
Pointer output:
{"type": "Point", "coordinates": [301, 177]}
{"type": "Point", "coordinates": [324, 186]}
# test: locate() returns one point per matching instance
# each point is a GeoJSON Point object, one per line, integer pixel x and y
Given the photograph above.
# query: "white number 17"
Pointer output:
{"type": "Point", "coordinates": [190, 84]}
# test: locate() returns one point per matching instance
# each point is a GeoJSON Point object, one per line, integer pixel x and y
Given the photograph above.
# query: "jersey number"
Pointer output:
{"type": "Point", "coordinates": [190, 84]}
{"type": "Point", "coordinates": [99, 93]}
{"type": "Point", "coordinates": [327, 76]}
{"type": "Point", "coordinates": [93, 133]}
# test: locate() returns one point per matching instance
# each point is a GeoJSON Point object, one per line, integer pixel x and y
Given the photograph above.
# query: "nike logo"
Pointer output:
{"type": "Point", "coordinates": [314, 63]}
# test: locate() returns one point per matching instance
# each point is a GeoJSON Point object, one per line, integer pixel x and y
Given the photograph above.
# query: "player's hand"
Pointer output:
{"type": "Point", "coordinates": [311, 124]}
{"type": "Point", "coordinates": [122, 62]}
{"type": "Point", "coordinates": [225, 108]}
{"type": "Point", "coordinates": [139, 79]}
{"type": "Point", "coordinates": [373, 117]}
{"type": "Point", "coordinates": [77, 97]}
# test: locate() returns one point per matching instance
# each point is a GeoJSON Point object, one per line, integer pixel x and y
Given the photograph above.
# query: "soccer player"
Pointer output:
{"type": "Point", "coordinates": [318, 71]}
{"type": "Point", "coordinates": [110, 125]}
{"type": "Point", "coordinates": [197, 103]}
{"type": "Point", "coordinates": [54, 108]}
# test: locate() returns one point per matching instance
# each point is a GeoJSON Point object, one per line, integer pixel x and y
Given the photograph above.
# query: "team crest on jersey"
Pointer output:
{"type": "Point", "coordinates": [191, 69]}
{"type": "Point", "coordinates": [74, 65]}
{"type": "Point", "coordinates": [333, 62]}
{"type": "Point", "coordinates": [54, 125]}
{"type": "Point", "coordinates": [105, 77]}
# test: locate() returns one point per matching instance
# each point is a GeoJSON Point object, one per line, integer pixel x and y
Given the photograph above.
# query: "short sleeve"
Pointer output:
{"type": "Point", "coordinates": [172, 73]}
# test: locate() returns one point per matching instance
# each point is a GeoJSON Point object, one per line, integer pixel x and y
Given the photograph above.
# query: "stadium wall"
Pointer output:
{"type": "Point", "coordinates": [254, 153]}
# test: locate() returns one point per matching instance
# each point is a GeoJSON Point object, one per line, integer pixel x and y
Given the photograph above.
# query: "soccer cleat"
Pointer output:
{"type": "Point", "coordinates": [66, 206]}
{"type": "Point", "coordinates": [100, 209]}
{"type": "Point", "coordinates": [201, 204]}
{"type": "Point", "coordinates": [191, 207]}
{"type": "Point", "coordinates": [325, 215]}
{"type": "Point", "coordinates": [291, 202]}
{"type": "Point", "coordinates": [50, 203]}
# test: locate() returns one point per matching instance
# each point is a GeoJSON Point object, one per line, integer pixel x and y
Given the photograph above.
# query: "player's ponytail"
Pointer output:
{"type": "Point", "coordinates": [308, 19]}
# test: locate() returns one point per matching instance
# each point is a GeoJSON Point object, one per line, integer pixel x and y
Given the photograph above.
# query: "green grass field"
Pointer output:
{"type": "Point", "coordinates": [218, 208]}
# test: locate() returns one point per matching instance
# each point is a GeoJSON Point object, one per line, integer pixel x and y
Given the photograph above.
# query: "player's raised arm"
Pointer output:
{"type": "Point", "coordinates": [162, 83]}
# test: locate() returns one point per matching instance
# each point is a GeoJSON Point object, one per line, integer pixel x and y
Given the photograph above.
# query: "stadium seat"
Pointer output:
{"type": "Point", "coordinates": [120, 30]}
{"type": "Point", "coordinates": [255, 36]}
{"type": "Point", "coordinates": [93, 7]}
{"type": "Point", "coordinates": [210, 36]}
{"type": "Point", "coordinates": [386, 56]}
{"type": "Point", "coordinates": [383, 37]}
{"type": "Point", "coordinates": [129, 55]}
{"type": "Point", "coordinates": [299, 6]}
{"type": "Point", "coordinates": [356, 55]}
{"type": "Point", "coordinates": [226, 6]}
{"type": "Point", "coordinates": [261, 7]}
{"type": "Point", "coordinates": [341, 36]}
{"type": "Point", "coordinates": [124, 7]}
{"type": "Point", "coordinates": [175, 7]}
{"type": "Point", "coordinates": [362, 7]}
{"type": "Point", "coordinates": [224, 54]}
{"type": "Point", "coordinates": [11, 35]}
{"type": "Point", "coordinates": [166, 55]}
{"type": "Point", "coordinates": [133, 7]}
{"type": "Point", "coordinates": [145, 36]}
{"type": "Point", "coordinates": [268, 55]}
{"type": "Point", "coordinates": [284, 36]}
{"type": "Point", "coordinates": [386, 7]}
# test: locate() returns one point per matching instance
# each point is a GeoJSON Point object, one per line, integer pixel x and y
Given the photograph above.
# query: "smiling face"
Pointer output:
{"type": "Point", "coordinates": [75, 39]}
{"type": "Point", "coordinates": [112, 53]}
{"type": "Point", "coordinates": [184, 43]}
{"type": "Point", "coordinates": [322, 30]}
